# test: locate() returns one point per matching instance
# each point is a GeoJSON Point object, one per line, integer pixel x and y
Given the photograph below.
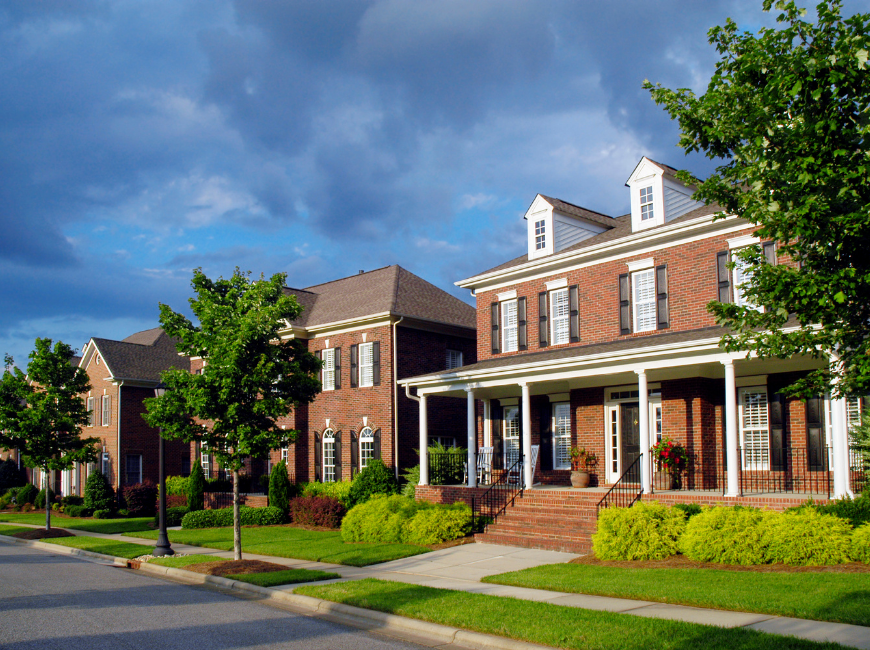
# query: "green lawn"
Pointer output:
{"type": "Point", "coordinates": [104, 546]}
{"type": "Point", "coordinates": [544, 623]}
{"type": "Point", "coordinates": [106, 526]}
{"type": "Point", "coordinates": [290, 576]}
{"type": "Point", "coordinates": [11, 530]}
{"type": "Point", "coordinates": [186, 560]}
{"type": "Point", "coordinates": [837, 597]}
{"type": "Point", "coordinates": [286, 541]}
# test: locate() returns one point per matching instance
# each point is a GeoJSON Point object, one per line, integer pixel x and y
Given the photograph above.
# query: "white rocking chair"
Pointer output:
{"type": "Point", "coordinates": [484, 466]}
{"type": "Point", "coordinates": [516, 477]}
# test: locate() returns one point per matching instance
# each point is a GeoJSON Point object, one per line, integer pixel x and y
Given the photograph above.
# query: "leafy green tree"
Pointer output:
{"type": "Point", "coordinates": [251, 376]}
{"type": "Point", "coordinates": [786, 114]}
{"type": "Point", "coordinates": [42, 413]}
{"type": "Point", "coordinates": [279, 488]}
{"type": "Point", "coordinates": [196, 488]}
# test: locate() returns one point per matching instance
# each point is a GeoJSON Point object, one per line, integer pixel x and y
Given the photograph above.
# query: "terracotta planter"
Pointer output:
{"type": "Point", "coordinates": [580, 479]}
{"type": "Point", "coordinates": [668, 481]}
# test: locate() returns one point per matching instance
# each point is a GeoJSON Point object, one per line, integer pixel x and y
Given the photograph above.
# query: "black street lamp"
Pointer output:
{"type": "Point", "coordinates": [162, 548]}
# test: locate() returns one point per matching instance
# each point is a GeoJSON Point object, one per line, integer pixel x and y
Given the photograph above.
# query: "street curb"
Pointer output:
{"type": "Point", "coordinates": [441, 635]}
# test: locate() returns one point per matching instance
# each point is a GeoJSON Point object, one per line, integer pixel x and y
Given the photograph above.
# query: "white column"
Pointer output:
{"type": "Point", "coordinates": [643, 407]}
{"type": "Point", "coordinates": [840, 448]}
{"type": "Point", "coordinates": [472, 439]}
{"type": "Point", "coordinates": [731, 443]}
{"type": "Point", "coordinates": [528, 477]}
{"type": "Point", "coordinates": [424, 443]}
{"type": "Point", "coordinates": [487, 423]}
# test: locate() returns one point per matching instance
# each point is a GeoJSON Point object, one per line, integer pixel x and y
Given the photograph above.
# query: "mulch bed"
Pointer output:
{"type": "Point", "coordinates": [41, 533]}
{"type": "Point", "coordinates": [234, 567]}
{"type": "Point", "coordinates": [682, 562]}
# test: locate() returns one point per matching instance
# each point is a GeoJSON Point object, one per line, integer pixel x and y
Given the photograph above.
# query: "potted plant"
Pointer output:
{"type": "Point", "coordinates": [581, 462]}
{"type": "Point", "coordinates": [670, 460]}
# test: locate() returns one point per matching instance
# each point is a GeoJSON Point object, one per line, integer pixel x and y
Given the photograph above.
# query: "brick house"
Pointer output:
{"type": "Point", "coordinates": [599, 337]}
{"type": "Point", "coordinates": [370, 330]}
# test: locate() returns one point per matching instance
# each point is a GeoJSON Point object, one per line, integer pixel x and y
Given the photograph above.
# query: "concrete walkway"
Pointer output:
{"type": "Point", "coordinates": [461, 568]}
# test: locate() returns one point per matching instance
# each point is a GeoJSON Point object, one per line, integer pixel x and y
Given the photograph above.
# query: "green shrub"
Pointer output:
{"type": "Point", "coordinates": [279, 488]}
{"type": "Point", "coordinates": [855, 511]}
{"type": "Point", "coordinates": [195, 488]}
{"type": "Point", "coordinates": [39, 504]}
{"type": "Point", "coordinates": [645, 531]}
{"type": "Point", "coordinates": [72, 500]}
{"type": "Point", "coordinates": [224, 517]}
{"type": "Point", "coordinates": [176, 486]}
{"type": "Point", "coordinates": [76, 511]}
{"type": "Point", "coordinates": [727, 535]}
{"type": "Point", "coordinates": [317, 511]}
{"type": "Point", "coordinates": [55, 507]}
{"type": "Point", "coordinates": [861, 544]}
{"type": "Point", "coordinates": [26, 494]}
{"type": "Point", "coordinates": [380, 519]}
{"type": "Point", "coordinates": [439, 524]}
{"type": "Point", "coordinates": [99, 495]}
{"type": "Point", "coordinates": [141, 499]}
{"type": "Point", "coordinates": [411, 479]}
{"type": "Point", "coordinates": [338, 490]}
{"type": "Point", "coordinates": [102, 514]}
{"type": "Point", "coordinates": [123, 512]}
{"type": "Point", "coordinates": [173, 515]}
{"type": "Point", "coordinates": [807, 538]}
{"type": "Point", "coordinates": [6, 499]}
{"type": "Point", "coordinates": [376, 478]}
{"type": "Point", "coordinates": [689, 510]}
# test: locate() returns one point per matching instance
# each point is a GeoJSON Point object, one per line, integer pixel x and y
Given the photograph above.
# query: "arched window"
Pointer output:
{"type": "Point", "coordinates": [366, 447]}
{"type": "Point", "coordinates": [329, 456]}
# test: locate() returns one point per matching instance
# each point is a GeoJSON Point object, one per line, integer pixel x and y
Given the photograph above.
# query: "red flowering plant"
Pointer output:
{"type": "Point", "coordinates": [669, 456]}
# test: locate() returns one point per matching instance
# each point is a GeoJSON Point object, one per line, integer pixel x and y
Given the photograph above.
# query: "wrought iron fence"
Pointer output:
{"type": "Point", "coordinates": [446, 468]}
{"type": "Point", "coordinates": [488, 506]}
{"type": "Point", "coordinates": [785, 470]}
{"type": "Point", "coordinates": [859, 469]}
{"type": "Point", "coordinates": [627, 489]}
{"type": "Point", "coordinates": [704, 472]}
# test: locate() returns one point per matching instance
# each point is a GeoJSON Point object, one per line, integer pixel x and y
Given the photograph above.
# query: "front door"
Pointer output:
{"type": "Point", "coordinates": [629, 425]}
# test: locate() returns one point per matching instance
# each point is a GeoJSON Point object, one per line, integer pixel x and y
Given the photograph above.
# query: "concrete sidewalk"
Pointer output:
{"type": "Point", "coordinates": [462, 567]}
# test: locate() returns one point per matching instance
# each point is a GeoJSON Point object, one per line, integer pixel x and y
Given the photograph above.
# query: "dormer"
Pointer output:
{"type": "Point", "coordinates": [657, 197]}
{"type": "Point", "coordinates": [555, 225]}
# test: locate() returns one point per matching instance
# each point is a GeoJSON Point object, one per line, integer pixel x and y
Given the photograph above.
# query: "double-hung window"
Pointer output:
{"type": "Point", "coordinates": [510, 339]}
{"type": "Point", "coordinates": [646, 204]}
{"type": "Point", "coordinates": [92, 414]}
{"type": "Point", "coordinates": [754, 428]}
{"type": "Point", "coordinates": [561, 316]}
{"type": "Point", "coordinates": [107, 410]}
{"type": "Point", "coordinates": [540, 235]}
{"type": "Point", "coordinates": [562, 436]}
{"type": "Point", "coordinates": [329, 456]}
{"type": "Point", "coordinates": [328, 372]}
{"type": "Point", "coordinates": [366, 365]}
{"type": "Point", "coordinates": [742, 276]}
{"type": "Point", "coordinates": [204, 460]}
{"type": "Point", "coordinates": [511, 435]}
{"type": "Point", "coordinates": [134, 469]}
{"type": "Point", "coordinates": [366, 447]}
{"type": "Point", "coordinates": [104, 465]}
{"type": "Point", "coordinates": [454, 359]}
{"type": "Point", "coordinates": [644, 298]}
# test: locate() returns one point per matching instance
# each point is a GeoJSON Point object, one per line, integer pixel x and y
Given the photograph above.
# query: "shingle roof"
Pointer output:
{"type": "Point", "coordinates": [390, 289]}
{"type": "Point", "coordinates": [576, 211]}
{"type": "Point", "coordinates": [132, 359]}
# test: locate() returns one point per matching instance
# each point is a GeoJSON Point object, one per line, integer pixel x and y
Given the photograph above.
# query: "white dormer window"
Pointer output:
{"type": "Point", "coordinates": [646, 203]}
{"type": "Point", "coordinates": [540, 234]}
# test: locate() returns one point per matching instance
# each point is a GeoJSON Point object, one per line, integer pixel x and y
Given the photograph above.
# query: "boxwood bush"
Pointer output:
{"type": "Point", "coordinates": [438, 524]}
{"type": "Point", "coordinates": [855, 511]}
{"type": "Point", "coordinates": [224, 517]}
{"type": "Point", "coordinates": [102, 514]}
{"type": "Point", "coordinates": [861, 544]}
{"type": "Point", "coordinates": [807, 538]}
{"type": "Point", "coordinates": [337, 490]}
{"type": "Point", "coordinates": [174, 515]}
{"type": "Point", "coordinates": [76, 511]}
{"type": "Point", "coordinates": [317, 511]}
{"type": "Point", "coordinates": [376, 478]}
{"type": "Point", "coordinates": [645, 531]}
{"type": "Point", "coordinates": [99, 495]}
{"type": "Point", "coordinates": [398, 519]}
{"type": "Point", "coordinates": [727, 535]}
{"type": "Point", "coordinates": [279, 488]}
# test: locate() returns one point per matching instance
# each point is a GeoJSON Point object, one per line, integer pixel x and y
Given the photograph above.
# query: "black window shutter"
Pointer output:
{"type": "Point", "coordinates": [815, 434]}
{"type": "Point", "coordinates": [319, 356]}
{"type": "Point", "coordinates": [354, 453]}
{"type": "Point", "coordinates": [377, 444]}
{"type": "Point", "coordinates": [337, 455]}
{"type": "Point", "coordinates": [574, 316]}
{"type": "Point", "coordinates": [522, 324]}
{"type": "Point", "coordinates": [318, 451]}
{"type": "Point", "coordinates": [497, 439]}
{"type": "Point", "coordinates": [662, 311]}
{"type": "Point", "coordinates": [354, 366]}
{"type": "Point", "coordinates": [723, 277]}
{"type": "Point", "coordinates": [543, 325]}
{"type": "Point", "coordinates": [376, 363]}
{"type": "Point", "coordinates": [495, 314]}
{"type": "Point", "coordinates": [545, 457]}
{"type": "Point", "coordinates": [624, 305]}
{"type": "Point", "coordinates": [769, 248]}
{"type": "Point", "coordinates": [337, 368]}
{"type": "Point", "coordinates": [776, 408]}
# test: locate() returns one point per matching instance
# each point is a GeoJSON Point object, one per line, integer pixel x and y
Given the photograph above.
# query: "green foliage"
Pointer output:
{"type": "Point", "coordinates": [176, 485]}
{"type": "Point", "coordinates": [786, 110]}
{"type": "Point", "coordinates": [26, 494]}
{"type": "Point", "coordinates": [855, 511]}
{"type": "Point", "coordinates": [173, 515]}
{"type": "Point", "coordinates": [860, 551]}
{"type": "Point", "coordinates": [376, 478]}
{"type": "Point", "coordinates": [317, 511]}
{"type": "Point", "coordinates": [55, 507]}
{"type": "Point", "coordinates": [411, 479]}
{"type": "Point", "coordinates": [380, 519]}
{"type": "Point", "coordinates": [76, 511]}
{"type": "Point", "coordinates": [99, 495]}
{"type": "Point", "coordinates": [224, 517]}
{"type": "Point", "coordinates": [40, 498]}
{"type": "Point", "coordinates": [689, 510]}
{"type": "Point", "coordinates": [10, 475]}
{"type": "Point", "coordinates": [279, 488]}
{"type": "Point", "coordinates": [439, 524]}
{"type": "Point", "coordinates": [339, 490]}
{"type": "Point", "coordinates": [72, 500]}
{"type": "Point", "coordinates": [807, 538]}
{"type": "Point", "coordinates": [727, 536]}
{"type": "Point", "coordinates": [195, 489]}
{"type": "Point", "coordinates": [6, 498]}
{"type": "Point", "coordinates": [102, 514]}
{"type": "Point", "coordinates": [645, 531]}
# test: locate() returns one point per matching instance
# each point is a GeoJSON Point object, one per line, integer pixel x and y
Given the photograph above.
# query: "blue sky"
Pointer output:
{"type": "Point", "coordinates": [141, 139]}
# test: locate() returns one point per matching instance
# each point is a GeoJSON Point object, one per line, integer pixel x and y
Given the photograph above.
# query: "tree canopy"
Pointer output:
{"type": "Point", "coordinates": [42, 413]}
{"type": "Point", "coordinates": [251, 376]}
{"type": "Point", "coordinates": [786, 116]}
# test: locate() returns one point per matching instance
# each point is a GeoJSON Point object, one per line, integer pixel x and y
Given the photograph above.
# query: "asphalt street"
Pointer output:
{"type": "Point", "coordinates": [51, 601]}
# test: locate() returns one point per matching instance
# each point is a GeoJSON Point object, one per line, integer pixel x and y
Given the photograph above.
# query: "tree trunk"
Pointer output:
{"type": "Point", "coordinates": [237, 520]}
{"type": "Point", "coordinates": [47, 483]}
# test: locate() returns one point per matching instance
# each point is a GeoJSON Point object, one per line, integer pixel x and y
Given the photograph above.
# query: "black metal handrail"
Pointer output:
{"type": "Point", "coordinates": [493, 502]}
{"type": "Point", "coordinates": [627, 490]}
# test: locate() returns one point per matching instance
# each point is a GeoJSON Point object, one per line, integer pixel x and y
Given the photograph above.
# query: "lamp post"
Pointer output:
{"type": "Point", "coordinates": [162, 548]}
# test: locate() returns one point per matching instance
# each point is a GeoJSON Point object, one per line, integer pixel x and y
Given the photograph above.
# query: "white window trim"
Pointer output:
{"type": "Point", "coordinates": [328, 372]}
{"type": "Point", "coordinates": [750, 460]}
{"type": "Point", "coordinates": [641, 265]}
{"type": "Point", "coordinates": [560, 320]}
{"type": "Point", "coordinates": [92, 414]}
{"type": "Point", "coordinates": [506, 295]}
{"type": "Point", "coordinates": [364, 439]}
{"type": "Point", "coordinates": [540, 234]}
{"type": "Point", "coordinates": [565, 438]}
{"type": "Point", "coordinates": [506, 328]}
{"type": "Point", "coordinates": [649, 202]}
{"type": "Point", "coordinates": [328, 443]}
{"type": "Point", "coordinates": [370, 366]}
{"type": "Point", "coordinates": [636, 304]}
{"type": "Point", "coordinates": [106, 410]}
{"type": "Point", "coordinates": [556, 284]}
{"type": "Point", "coordinates": [511, 453]}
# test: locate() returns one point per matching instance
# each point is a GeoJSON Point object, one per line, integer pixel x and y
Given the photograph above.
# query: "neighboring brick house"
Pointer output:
{"type": "Point", "coordinates": [599, 337]}
{"type": "Point", "coordinates": [370, 330]}
{"type": "Point", "coordinates": [122, 374]}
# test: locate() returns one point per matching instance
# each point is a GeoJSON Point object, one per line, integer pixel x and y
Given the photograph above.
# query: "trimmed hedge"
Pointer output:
{"type": "Point", "coordinates": [861, 544]}
{"type": "Point", "coordinates": [102, 514]}
{"type": "Point", "coordinates": [376, 478]}
{"type": "Point", "coordinates": [855, 511]}
{"type": "Point", "coordinates": [279, 488]}
{"type": "Point", "coordinates": [727, 536]}
{"type": "Point", "coordinates": [807, 538]}
{"type": "Point", "coordinates": [398, 519]}
{"type": "Point", "coordinates": [317, 511]}
{"type": "Point", "coordinates": [176, 486]}
{"type": "Point", "coordinates": [224, 517]}
{"type": "Point", "coordinates": [76, 511]}
{"type": "Point", "coordinates": [72, 500]}
{"type": "Point", "coordinates": [645, 531]}
{"type": "Point", "coordinates": [99, 495]}
{"type": "Point", "coordinates": [439, 524]}
{"type": "Point", "coordinates": [174, 515]}
{"type": "Point", "coordinates": [339, 490]}
{"type": "Point", "coordinates": [195, 488]}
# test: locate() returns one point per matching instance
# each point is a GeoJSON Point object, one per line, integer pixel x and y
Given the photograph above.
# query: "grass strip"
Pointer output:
{"type": "Point", "coordinates": [104, 546]}
{"type": "Point", "coordinates": [544, 623]}
{"type": "Point", "coordinates": [287, 541]}
{"type": "Point", "coordinates": [290, 576]}
{"type": "Point", "coordinates": [104, 526]}
{"type": "Point", "coordinates": [11, 530]}
{"type": "Point", "coordinates": [186, 560]}
{"type": "Point", "coordinates": [835, 597]}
